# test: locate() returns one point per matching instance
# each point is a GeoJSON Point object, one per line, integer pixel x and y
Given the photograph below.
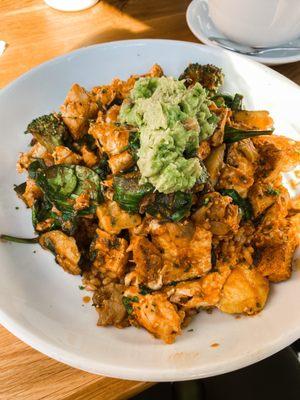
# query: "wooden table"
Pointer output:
{"type": "Point", "coordinates": [35, 33]}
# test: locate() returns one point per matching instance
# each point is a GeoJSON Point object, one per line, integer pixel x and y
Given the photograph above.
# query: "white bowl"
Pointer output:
{"type": "Point", "coordinates": [42, 305]}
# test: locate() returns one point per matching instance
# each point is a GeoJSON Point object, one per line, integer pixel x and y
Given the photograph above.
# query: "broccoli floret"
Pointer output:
{"type": "Point", "coordinates": [209, 76]}
{"type": "Point", "coordinates": [49, 130]}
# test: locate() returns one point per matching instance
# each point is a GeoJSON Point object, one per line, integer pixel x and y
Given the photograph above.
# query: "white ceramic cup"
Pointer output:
{"type": "Point", "coordinates": [257, 22]}
{"type": "Point", "coordinates": [71, 5]}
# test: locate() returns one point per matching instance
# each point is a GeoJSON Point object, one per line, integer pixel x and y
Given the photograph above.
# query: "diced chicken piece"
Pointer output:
{"type": "Point", "coordinates": [90, 159]}
{"type": "Point", "coordinates": [186, 249]}
{"type": "Point", "coordinates": [63, 155]}
{"type": "Point", "coordinates": [123, 88]}
{"type": "Point", "coordinates": [148, 263]}
{"type": "Point", "coordinates": [110, 256]}
{"type": "Point", "coordinates": [263, 194]}
{"type": "Point", "coordinates": [155, 313]}
{"type": "Point", "coordinates": [113, 219]}
{"type": "Point", "coordinates": [252, 120]}
{"type": "Point", "coordinates": [277, 154]}
{"type": "Point", "coordinates": [44, 225]}
{"type": "Point", "coordinates": [203, 150]}
{"type": "Point", "coordinates": [272, 226]}
{"type": "Point", "coordinates": [245, 291]}
{"type": "Point", "coordinates": [276, 261]}
{"type": "Point", "coordinates": [104, 95]}
{"type": "Point", "coordinates": [64, 248]}
{"type": "Point", "coordinates": [118, 90]}
{"type": "Point", "coordinates": [120, 162]}
{"type": "Point", "coordinates": [112, 138]}
{"type": "Point", "coordinates": [204, 292]}
{"type": "Point", "coordinates": [219, 212]}
{"type": "Point", "coordinates": [78, 108]}
{"type": "Point", "coordinates": [36, 151]}
{"type": "Point", "coordinates": [109, 305]}
{"type": "Point", "coordinates": [82, 202]}
{"type": "Point", "coordinates": [218, 136]}
{"type": "Point", "coordinates": [243, 155]}
{"type": "Point", "coordinates": [241, 165]}
{"type": "Point", "coordinates": [155, 71]}
{"type": "Point", "coordinates": [32, 192]}
{"type": "Point", "coordinates": [234, 178]}
{"type": "Point", "coordinates": [235, 249]}
{"type": "Point", "coordinates": [112, 114]}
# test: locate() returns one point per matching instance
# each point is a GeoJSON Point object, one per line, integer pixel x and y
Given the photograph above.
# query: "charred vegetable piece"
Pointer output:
{"type": "Point", "coordinates": [209, 76]}
{"type": "Point", "coordinates": [20, 189]}
{"type": "Point", "coordinates": [214, 163]}
{"type": "Point", "coordinates": [234, 135]}
{"type": "Point", "coordinates": [128, 192]}
{"type": "Point", "coordinates": [237, 102]}
{"type": "Point", "coordinates": [173, 206]}
{"type": "Point", "coordinates": [226, 100]}
{"type": "Point", "coordinates": [204, 177]}
{"type": "Point", "coordinates": [243, 204]}
{"type": "Point", "coordinates": [49, 130]}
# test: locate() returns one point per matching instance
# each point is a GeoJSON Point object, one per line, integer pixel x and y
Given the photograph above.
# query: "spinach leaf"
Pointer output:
{"type": "Point", "coordinates": [15, 239]}
{"type": "Point", "coordinates": [174, 206]}
{"type": "Point", "coordinates": [134, 144]}
{"type": "Point", "coordinates": [234, 135]}
{"type": "Point", "coordinates": [128, 193]}
{"type": "Point", "coordinates": [102, 168]}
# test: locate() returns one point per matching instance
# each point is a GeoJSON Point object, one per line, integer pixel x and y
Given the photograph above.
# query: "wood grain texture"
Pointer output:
{"type": "Point", "coordinates": [26, 374]}
{"type": "Point", "coordinates": [36, 33]}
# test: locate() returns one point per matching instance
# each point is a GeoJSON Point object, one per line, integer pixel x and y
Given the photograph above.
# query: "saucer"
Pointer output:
{"type": "Point", "coordinates": [203, 28]}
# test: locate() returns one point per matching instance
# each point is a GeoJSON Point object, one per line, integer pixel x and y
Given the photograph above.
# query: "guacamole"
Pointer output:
{"type": "Point", "coordinates": [172, 120]}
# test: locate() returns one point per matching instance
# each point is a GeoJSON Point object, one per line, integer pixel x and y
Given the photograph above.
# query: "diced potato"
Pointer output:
{"type": "Point", "coordinates": [252, 120]}
{"type": "Point", "coordinates": [245, 291]}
